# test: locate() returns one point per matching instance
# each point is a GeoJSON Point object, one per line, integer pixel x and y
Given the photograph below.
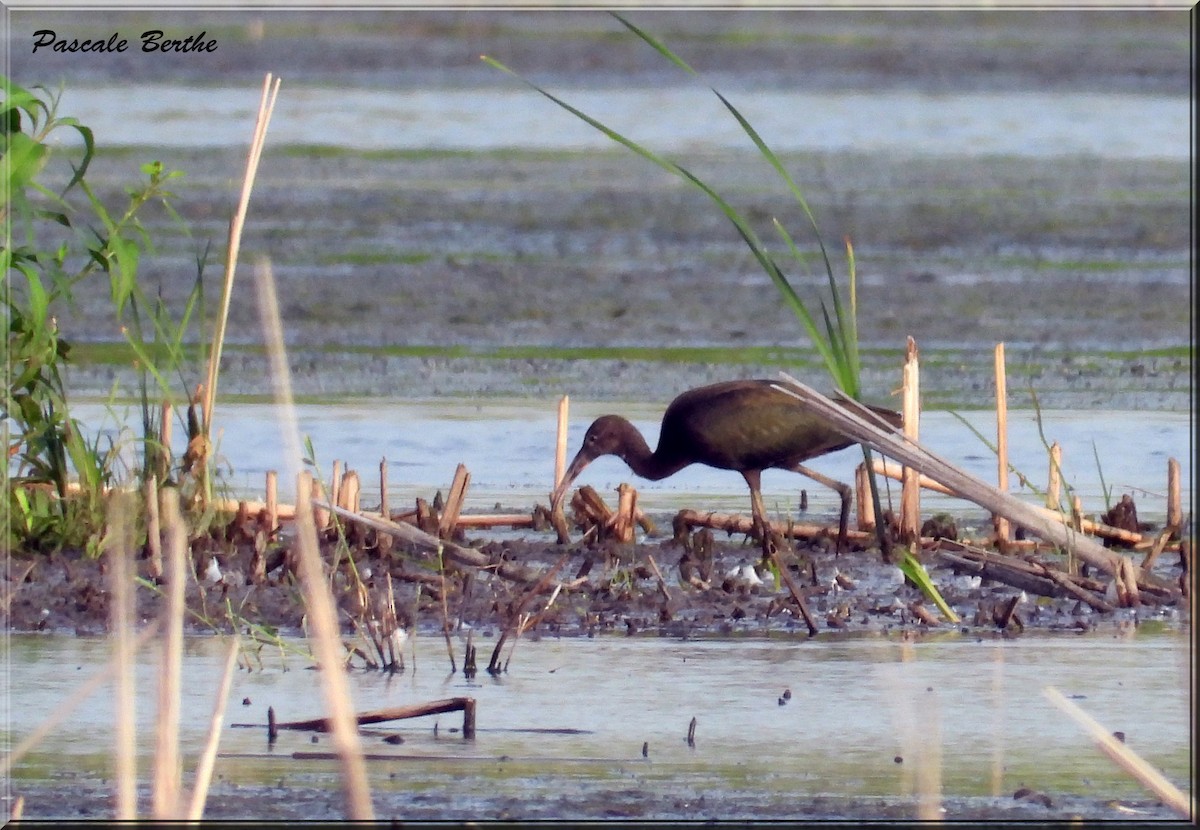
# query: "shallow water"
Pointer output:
{"type": "Point", "coordinates": [863, 717]}
{"type": "Point", "coordinates": [508, 447]}
{"type": "Point", "coordinates": [976, 123]}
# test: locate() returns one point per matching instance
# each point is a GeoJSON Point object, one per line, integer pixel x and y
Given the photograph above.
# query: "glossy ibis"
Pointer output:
{"type": "Point", "coordinates": [743, 425]}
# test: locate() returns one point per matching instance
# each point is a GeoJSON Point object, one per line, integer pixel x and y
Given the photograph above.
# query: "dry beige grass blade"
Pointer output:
{"type": "Point", "coordinates": [265, 108]}
{"type": "Point", "coordinates": [322, 614]}
{"type": "Point", "coordinates": [68, 706]}
{"type": "Point", "coordinates": [208, 757]}
{"type": "Point", "coordinates": [1125, 757]}
{"type": "Point", "coordinates": [166, 804]}
{"type": "Point", "coordinates": [962, 483]}
{"type": "Point", "coordinates": [117, 548]}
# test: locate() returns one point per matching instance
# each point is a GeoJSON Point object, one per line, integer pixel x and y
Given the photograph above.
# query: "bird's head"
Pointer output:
{"type": "Point", "coordinates": [608, 435]}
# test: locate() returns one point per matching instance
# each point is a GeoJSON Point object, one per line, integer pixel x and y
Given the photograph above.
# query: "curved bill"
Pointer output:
{"type": "Point", "coordinates": [576, 466]}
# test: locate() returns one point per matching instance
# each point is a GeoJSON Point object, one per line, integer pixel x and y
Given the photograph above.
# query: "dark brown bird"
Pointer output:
{"type": "Point", "coordinates": [743, 425]}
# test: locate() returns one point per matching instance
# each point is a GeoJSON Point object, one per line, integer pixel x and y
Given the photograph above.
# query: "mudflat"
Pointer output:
{"type": "Point", "coordinates": [526, 272]}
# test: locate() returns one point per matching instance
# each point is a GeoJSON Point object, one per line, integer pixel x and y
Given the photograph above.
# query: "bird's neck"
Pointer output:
{"type": "Point", "coordinates": [646, 464]}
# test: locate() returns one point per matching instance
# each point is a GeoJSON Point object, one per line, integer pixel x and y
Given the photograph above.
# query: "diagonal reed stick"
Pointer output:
{"type": "Point", "coordinates": [1126, 758]}
{"type": "Point", "coordinates": [890, 443]}
{"type": "Point", "coordinates": [208, 757]}
{"type": "Point", "coordinates": [318, 600]}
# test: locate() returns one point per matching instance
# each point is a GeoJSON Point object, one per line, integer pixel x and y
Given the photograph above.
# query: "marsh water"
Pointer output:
{"type": "Point", "coordinates": [1112, 125]}
{"type": "Point", "coordinates": [561, 733]}
{"type": "Point", "coordinates": [508, 447]}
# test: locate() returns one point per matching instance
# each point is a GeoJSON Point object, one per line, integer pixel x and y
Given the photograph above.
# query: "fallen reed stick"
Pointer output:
{"type": "Point", "coordinates": [1126, 758]}
{"type": "Point", "coordinates": [860, 429]}
{"type": "Point", "coordinates": [734, 523]}
{"type": "Point", "coordinates": [466, 705]}
{"type": "Point", "coordinates": [458, 554]}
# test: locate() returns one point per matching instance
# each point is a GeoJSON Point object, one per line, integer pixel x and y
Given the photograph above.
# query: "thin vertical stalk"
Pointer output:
{"type": "Point", "coordinates": [119, 518]}
{"type": "Point", "coordinates": [1001, 523]}
{"type": "Point", "coordinates": [166, 802]}
{"type": "Point", "coordinates": [910, 493]}
{"type": "Point", "coordinates": [560, 447]}
{"type": "Point", "coordinates": [321, 610]}
{"type": "Point", "coordinates": [265, 107]}
{"type": "Point", "coordinates": [1054, 485]}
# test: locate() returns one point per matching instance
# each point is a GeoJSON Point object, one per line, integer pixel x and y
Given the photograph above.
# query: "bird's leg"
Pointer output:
{"type": "Point", "coordinates": [762, 528]}
{"type": "Point", "coordinates": [842, 490]}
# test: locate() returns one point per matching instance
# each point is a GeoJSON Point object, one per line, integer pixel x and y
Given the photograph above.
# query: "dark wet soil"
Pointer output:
{"type": "Point", "coordinates": [712, 583]}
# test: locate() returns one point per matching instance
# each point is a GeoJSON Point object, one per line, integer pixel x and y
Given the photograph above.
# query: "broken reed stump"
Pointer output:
{"type": "Point", "coordinates": [466, 705]}
{"type": "Point", "coordinates": [454, 502]}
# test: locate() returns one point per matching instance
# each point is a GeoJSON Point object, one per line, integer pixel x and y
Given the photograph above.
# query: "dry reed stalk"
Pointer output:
{"type": "Point", "coordinates": [154, 563]}
{"type": "Point", "coordinates": [1126, 758]}
{"type": "Point", "coordinates": [1054, 485]}
{"type": "Point", "coordinates": [862, 497]}
{"type": "Point", "coordinates": [910, 494]}
{"type": "Point", "coordinates": [63, 710]}
{"type": "Point", "coordinates": [794, 590]}
{"type": "Point", "coordinates": [1174, 503]}
{"type": "Point", "coordinates": [623, 519]}
{"type": "Point", "coordinates": [321, 517]}
{"type": "Point", "coordinates": [560, 445]}
{"type": "Point", "coordinates": [454, 502]}
{"type": "Point", "coordinates": [272, 503]}
{"type": "Point", "coordinates": [1003, 530]}
{"type": "Point", "coordinates": [335, 483]}
{"type": "Point", "coordinates": [208, 756]}
{"type": "Point", "coordinates": [265, 107]}
{"type": "Point", "coordinates": [166, 802]}
{"type": "Point", "coordinates": [350, 491]}
{"type": "Point", "coordinates": [383, 489]}
{"type": "Point", "coordinates": [318, 600]}
{"type": "Point", "coordinates": [861, 428]}
{"type": "Point", "coordinates": [164, 426]}
{"type": "Point", "coordinates": [119, 518]}
{"type": "Point", "coordinates": [446, 611]}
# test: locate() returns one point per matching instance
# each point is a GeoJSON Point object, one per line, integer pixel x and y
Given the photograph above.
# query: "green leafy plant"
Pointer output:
{"type": "Point", "coordinates": [51, 246]}
{"type": "Point", "coordinates": [836, 337]}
